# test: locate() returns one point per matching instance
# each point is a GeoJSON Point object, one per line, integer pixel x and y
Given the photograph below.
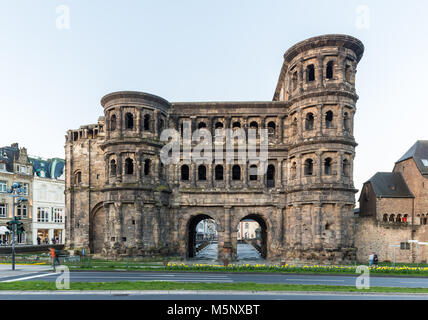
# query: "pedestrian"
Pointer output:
{"type": "Point", "coordinates": [54, 255]}
{"type": "Point", "coordinates": [53, 240]}
{"type": "Point", "coordinates": [371, 257]}
{"type": "Point", "coordinates": [39, 240]}
{"type": "Point", "coordinates": [375, 259]}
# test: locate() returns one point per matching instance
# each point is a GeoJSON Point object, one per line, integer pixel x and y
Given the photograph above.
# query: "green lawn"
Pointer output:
{"type": "Point", "coordinates": [159, 285]}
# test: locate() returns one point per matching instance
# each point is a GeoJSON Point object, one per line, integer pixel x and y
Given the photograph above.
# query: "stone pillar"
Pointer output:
{"type": "Point", "coordinates": [300, 124]}
{"type": "Point", "coordinates": [278, 182]}
{"type": "Point", "coordinates": [156, 123]}
{"type": "Point", "coordinates": [121, 121]}
{"type": "Point", "coordinates": [316, 226]}
{"type": "Point", "coordinates": [338, 217]}
{"type": "Point", "coordinates": [227, 245]}
{"type": "Point", "coordinates": [246, 174]}
{"type": "Point", "coordinates": [119, 167]}
{"type": "Point", "coordinates": [320, 72]}
{"type": "Point", "coordinates": [298, 226]}
{"type": "Point", "coordinates": [340, 167]}
{"type": "Point", "coordinates": [107, 169]}
{"type": "Point", "coordinates": [340, 127]}
{"type": "Point", "coordinates": [138, 121]}
{"type": "Point", "coordinates": [138, 166]}
{"type": "Point", "coordinates": [279, 132]}
{"type": "Point", "coordinates": [321, 116]}
{"type": "Point", "coordinates": [320, 165]}
{"type": "Point", "coordinates": [300, 75]}
{"type": "Point", "coordinates": [299, 169]}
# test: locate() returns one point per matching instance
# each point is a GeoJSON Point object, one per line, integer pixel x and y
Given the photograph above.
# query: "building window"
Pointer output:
{"type": "Point", "coordinates": [329, 70]}
{"type": "Point", "coordinates": [3, 186]}
{"type": "Point", "coordinates": [202, 125]}
{"type": "Point", "coordinates": [385, 217]}
{"type": "Point", "coordinates": [236, 124]}
{"type": "Point", "coordinates": [113, 167]}
{"type": "Point", "coordinates": [346, 168]}
{"type": "Point", "coordinates": [253, 172]}
{"type": "Point", "coordinates": [113, 122]}
{"type": "Point", "coordinates": [25, 188]}
{"type": "Point", "coordinates": [391, 218]}
{"type": "Point", "coordinates": [236, 172]}
{"type": "Point", "coordinates": [329, 120]}
{"type": "Point", "coordinates": [309, 123]}
{"type": "Point", "coordinates": [21, 210]}
{"type": "Point", "coordinates": [58, 215]}
{"type": "Point", "coordinates": [310, 72]}
{"type": "Point", "coordinates": [42, 214]}
{"type": "Point", "coordinates": [147, 122]}
{"type": "Point", "coordinates": [3, 210]}
{"type": "Point", "coordinates": [129, 166]}
{"type": "Point", "coordinates": [219, 172]}
{"type": "Point", "coordinates": [202, 173]}
{"type": "Point", "coordinates": [23, 169]}
{"type": "Point", "coordinates": [147, 167]}
{"type": "Point", "coordinates": [270, 176]}
{"type": "Point", "coordinates": [77, 178]}
{"type": "Point", "coordinates": [309, 167]}
{"type": "Point", "coordinates": [185, 172]}
{"type": "Point", "coordinates": [129, 121]}
{"type": "Point", "coordinates": [219, 125]}
{"type": "Point", "coordinates": [271, 128]}
{"type": "Point", "coordinates": [327, 166]}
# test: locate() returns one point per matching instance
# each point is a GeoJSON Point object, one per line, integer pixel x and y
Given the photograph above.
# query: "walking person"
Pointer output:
{"type": "Point", "coordinates": [55, 258]}
{"type": "Point", "coordinates": [375, 259]}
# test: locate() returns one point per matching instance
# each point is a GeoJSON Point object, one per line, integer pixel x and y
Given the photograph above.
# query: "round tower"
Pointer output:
{"type": "Point", "coordinates": [318, 83]}
{"type": "Point", "coordinates": [135, 189]}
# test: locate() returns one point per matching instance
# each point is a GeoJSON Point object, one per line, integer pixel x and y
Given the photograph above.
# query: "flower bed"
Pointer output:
{"type": "Point", "coordinates": [295, 268]}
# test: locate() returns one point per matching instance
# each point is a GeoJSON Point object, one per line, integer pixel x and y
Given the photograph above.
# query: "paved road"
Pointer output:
{"type": "Point", "coordinates": [213, 296]}
{"type": "Point", "coordinates": [92, 276]}
{"type": "Point", "coordinates": [245, 252]}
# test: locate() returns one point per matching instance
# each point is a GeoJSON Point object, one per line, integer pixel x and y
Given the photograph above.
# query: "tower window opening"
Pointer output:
{"type": "Point", "coordinates": [271, 128]}
{"type": "Point", "coordinates": [346, 168]}
{"type": "Point", "coordinates": [236, 172]}
{"type": "Point", "coordinates": [391, 218]}
{"type": "Point", "coordinates": [219, 125]}
{"type": "Point", "coordinates": [202, 125]}
{"type": "Point", "coordinates": [329, 71]}
{"type": "Point", "coordinates": [346, 122]}
{"type": "Point", "coordinates": [253, 172]}
{"type": "Point", "coordinates": [329, 119]}
{"type": "Point", "coordinates": [78, 178]}
{"type": "Point", "coordinates": [385, 217]}
{"type": "Point", "coordinates": [309, 124]}
{"type": "Point", "coordinates": [309, 167]}
{"type": "Point", "coordinates": [113, 167]}
{"type": "Point", "coordinates": [236, 124]}
{"type": "Point", "coordinates": [327, 166]}
{"type": "Point", "coordinates": [147, 164]}
{"type": "Point", "coordinates": [113, 122]}
{"type": "Point", "coordinates": [202, 173]}
{"type": "Point", "coordinates": [185, 172]}
{"type": "Point", "coordinates": [146, 122]}
{"type": "Point", "coordinates": [129, 121]}
{"type": "Point", "coordinates": [129, 166]}
{"type": "Point", "coordinates": [311, 72]}
{"type": "Point", "coordinates": [270, 176]}
{"type": "Point", "coordinates": [219, 172]}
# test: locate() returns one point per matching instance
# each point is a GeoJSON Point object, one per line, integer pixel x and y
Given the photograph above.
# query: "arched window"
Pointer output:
{"type": "Point", "coordinates": [236, 172]}
{"type": "Point", "coordinates": [77, 178]}
{"type": "Point", "coordinates": [309, 123]}
{"type": "Point", "coordinates": [219, 125]}
{"type": "Point", "coordinates": [327, 166]}
{"type": "Point", "coordinates": [129, 121]}
{"type": "Point", "coordinates": [219, 172]}
{"type": "Point", "coordinates": [398, 219]}
{"type": "Point", "coordinates": [113, 122]}
{"type": "Point", "coordinates": [185, 172]}
{"type": "Point", "coordinates": [346, 168]}
{"type": "Point", "coordinates": [129, 166]}
{"type": "Point", "coordinates": [309, 167]}
{"type": "Point", "coordinates": [113, 167]}
{"type": "Point", "coordinates": [405, 218]}
{"type": "Point", "coordinates": [310, 69]}
{"type": "Point", "coordinates": [202, 125]}
{"type": "Point", "coordinates": [391, 218]}
{"type": "Point", "coordinates": [146, 122]}
{"type": "Point", "coordinates": [270, 176]}
{"type": "Point", "coordinates": [253, 172]}
{"type": "Point", "coordinates": [294, 81]}
{"type": "Point", "coordinates": [236, 124]}
{"type": "Point", "coordinates": [202, 172]}
{"type": "Point", "coordinates": [329, 70]}
{"type": "Point", "coordinates": [329, 119]}
{"type": "Point", "coordinates": [147, 164]}
{"type": "Point", "coordinates": [271, 128]}
{"type": "Point", "coordinates": [254, 125]}
{"type": "Point", "coordinates": [385, 217]}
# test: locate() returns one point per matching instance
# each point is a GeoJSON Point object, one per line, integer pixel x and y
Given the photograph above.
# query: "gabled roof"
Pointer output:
{"type": "Point", "coordinates": [390, 185]}
{"type": "Point", "coordinates": [419, 153]}
{"type": "Point", "coordinates": [8, 155]}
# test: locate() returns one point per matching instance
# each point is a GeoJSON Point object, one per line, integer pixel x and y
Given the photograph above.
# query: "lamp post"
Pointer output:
{"type": "Point", "coordinates": [15, 191]}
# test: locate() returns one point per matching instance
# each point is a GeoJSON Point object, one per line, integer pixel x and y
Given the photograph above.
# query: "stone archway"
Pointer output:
{"type": "Point", "coordinates": [191, 233]}
{"type": "Point", "coordinates": [97, 229]}
{"type": "Point", "coordinates": [263, 245]}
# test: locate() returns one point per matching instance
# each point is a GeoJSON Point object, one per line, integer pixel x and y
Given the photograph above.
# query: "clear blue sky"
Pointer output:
{"type": "Point", "coordinates": [52, 80]}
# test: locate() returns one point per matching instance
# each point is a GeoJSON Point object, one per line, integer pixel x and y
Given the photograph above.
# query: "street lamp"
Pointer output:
{"type": "Point", "coordinates": [15, 191]}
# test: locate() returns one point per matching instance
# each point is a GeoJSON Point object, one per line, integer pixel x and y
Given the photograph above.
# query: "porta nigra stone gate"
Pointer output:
{"type": "Point", "coordinates": [121, 200]}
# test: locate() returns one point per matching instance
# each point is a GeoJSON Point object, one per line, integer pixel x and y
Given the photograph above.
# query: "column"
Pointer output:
{"type": "Point", "coordinates": [246, 174]}
{"type": "Point", "coordinates": [300, 124]}
{"type": "Point", "coordinates": [278, 173]}
{"type": "Point", "coordinates": [119, 167]}
{"type": "Point", "coordinates": [156, 123]}
{"type": "Point", "coordinates": [279, 132]}
{"type": "Point", "coordinates": [320, 165]}
{"type": "Point", "coordinates": [121, 121]}
{"type": "Point", "coordinates": [340, 124]}
{"type": "Point", "coordinates": [107, 169]}
{"type": "Point", "coordinates": [300, 76]}
{"type": "Point", "coordinates": [227, 246]}
{"type": "Point", "coordinates": [339, 167]}
{"type": "Point", "coordinates": [320, 117]}
{"type": "Point", "coordinates": [320, 73]}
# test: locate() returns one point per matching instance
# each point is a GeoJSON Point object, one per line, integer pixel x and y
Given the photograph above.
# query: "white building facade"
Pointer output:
{"type": "Point", "coordinates": [48, 202]}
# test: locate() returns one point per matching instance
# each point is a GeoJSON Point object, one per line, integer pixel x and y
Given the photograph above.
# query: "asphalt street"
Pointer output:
{"type": "Point", "coordinates": [105, 276]}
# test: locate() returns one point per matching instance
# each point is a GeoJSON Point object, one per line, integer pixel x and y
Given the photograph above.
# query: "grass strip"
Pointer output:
{"type": "Point", "coordinates": [161, 285]}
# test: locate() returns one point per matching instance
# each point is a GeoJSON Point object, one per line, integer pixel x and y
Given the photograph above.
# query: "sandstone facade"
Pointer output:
{"type": "Point", "coordinates": [120, 198]}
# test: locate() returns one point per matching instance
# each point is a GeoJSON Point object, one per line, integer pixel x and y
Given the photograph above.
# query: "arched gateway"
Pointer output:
{"type": "Point", "coordinates": [192, 233]}
{"type": "Point", "coordinates": [97, 229]}
{"type": "Point", "coordinates": [261, 239]}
